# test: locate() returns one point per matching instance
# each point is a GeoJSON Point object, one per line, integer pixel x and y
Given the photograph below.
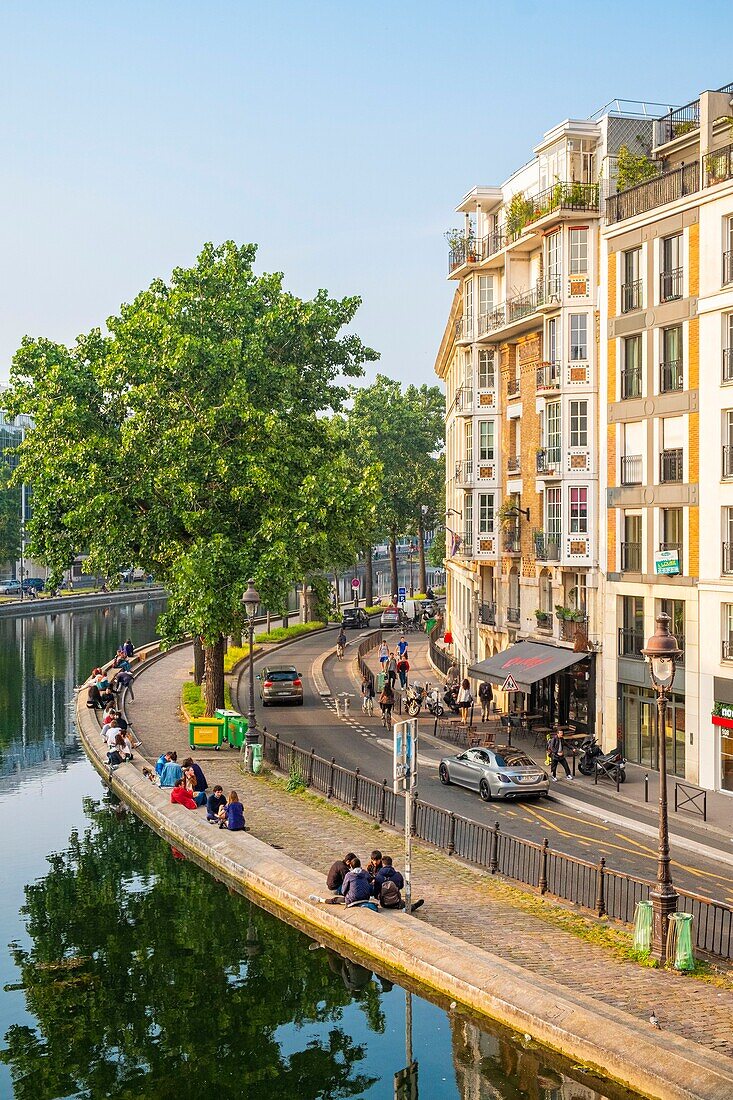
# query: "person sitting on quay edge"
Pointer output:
{"type": "Point", "coordinates": [124, 679]}
{"type": "Point", "coordinates": [116, 756]}
{"type": "Point", "coordinates": [388, 885]}
{"type": "Point", "coordinates": [161, 762]}
{"type": "Point", "coordinates": [94, 698]}
{"type": "Point", "coordinates": [129, 648]}
{"type": "Point", "coordinates": [234, 812]}
{"type": "Point", "coordinates": [374, 864]}
{"type": "Point", "coordinates": [182, 797]}
{"type": "Point", "coordinates": [215, 804]}
{"type": "Point", "coordinates": [356, 887]}
{"type": "Point", "coordinates": [338, 872]}
{"type": "Point", "coordinates": [195, 781]}
{"type": "Point", "coordinates": [171, 770]}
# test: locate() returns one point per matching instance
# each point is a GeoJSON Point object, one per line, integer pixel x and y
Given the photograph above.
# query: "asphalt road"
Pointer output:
{"type": "Point", "coordinates": [364, 743]}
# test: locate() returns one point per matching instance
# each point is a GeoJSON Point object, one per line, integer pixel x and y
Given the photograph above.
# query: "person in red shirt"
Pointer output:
{"type": "Point", "coordinates": [181, 796]}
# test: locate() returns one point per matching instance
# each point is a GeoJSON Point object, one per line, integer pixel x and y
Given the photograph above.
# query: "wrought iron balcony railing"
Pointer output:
{"type": "Point", "coordinates": [513, 464]}
{"type": "Point", "coordinates": [487, 614]}
{"type": "Point", "coordinates": [727, 462]}
{"type": "Point", "coordinates": [512, 615]}
{"type": "Point", "coordinates": [548, 376]}
{"type": "Point", "coordinates": [670, 376]}
{"type": "Point", "coordinates": [631, 470]}
{"type": "Point", "coordinates": [631, 295]}
{"type": "Point", "coordinates": [547, 546]}
{"type": "Point", "coordinates": [670, 285]}
{"type": "Point", "coordinates": [464, 471]}
{"type": "Point", "coordinates": [727, 268]}
{"type": "Point", "coordinates": [630, 382]}
{"type": "Point", "coordinates": [653, 193]}
{"type": "Point", "coordinates": [681, 120]}
{"type": "Point", "coordinates": [728, 364]}
{"type": "Point", "coordinates": [670, 465]}
{"type": "Point", "coordinates": [727, 649]}
{"type": "Point", "coordinates": [676, 547]}
{"type": "Point", "coordinates": [548, 460]}
{"type": "Point", "coordinates": [718, 166]}
{"type": "Point", "coordinates": [631, 557]}
{"type": "Point", "coordinates": [511, 542]}
{"type": "Point", "coordinates": [630, 643]}
{"type": "Point", "coordinates": [726, 564]}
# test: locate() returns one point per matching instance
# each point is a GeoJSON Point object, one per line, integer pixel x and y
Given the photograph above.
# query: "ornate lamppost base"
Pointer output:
{"type": "Point", "coordinates": [663, 906]}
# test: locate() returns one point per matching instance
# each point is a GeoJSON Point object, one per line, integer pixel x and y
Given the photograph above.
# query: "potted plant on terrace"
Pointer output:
{"type": "Point", "coordinates": [544, 620]}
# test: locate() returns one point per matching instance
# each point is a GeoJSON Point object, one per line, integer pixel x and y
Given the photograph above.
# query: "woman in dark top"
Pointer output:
{"type": "Point", "coordinates": [234, 811]}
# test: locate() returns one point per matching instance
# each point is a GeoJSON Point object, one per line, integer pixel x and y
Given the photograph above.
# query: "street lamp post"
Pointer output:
{"type": "Point", "coordinates": [251, 601]}
{"type": "Point", "coordinates": [662, 653]}
{"type": "Point", "coordinates": [410, 558]}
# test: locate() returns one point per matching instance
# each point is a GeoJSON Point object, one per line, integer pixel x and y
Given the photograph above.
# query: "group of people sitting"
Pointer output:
{"type": "Point", "coordinates": [188, 786]}
{"type": "Point", "coordinates": [379, 884]}
{"type": "Point", "coordinates": [118, 736]}
{"type": "Point", "coordinates": [103, 690]}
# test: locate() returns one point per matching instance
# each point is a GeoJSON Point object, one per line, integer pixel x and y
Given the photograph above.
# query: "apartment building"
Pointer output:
{"type": "Point", "coordinates": [667, 445]}
{"type": "Point", "coordinates": [519, 359]}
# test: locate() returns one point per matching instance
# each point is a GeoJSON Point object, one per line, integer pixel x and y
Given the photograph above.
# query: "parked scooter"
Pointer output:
{"type": "Point", "coordinates": [417, 696]}
{"type": "Point", "coordinates": [591, 754]}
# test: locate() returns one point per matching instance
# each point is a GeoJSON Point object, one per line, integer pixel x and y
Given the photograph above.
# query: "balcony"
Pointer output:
{"type": "Point", "coordinates": [631, 557]}
{"type": "Point", "coordinates": [464, 471]}
{"type": "Point", "coordinates": [463, 545]}
{"type": "Point", "coordinates": [631, 470]}
{"type": "Point", "coordinates": [511, 542]}
{"type": "Point", "coordinates": [548, 376]}
{"type": "Point", "coordinates": [726, 564]}
{"type": "Point", "coordinates": [490, 322]}
{"type": "Point", "coordinates": [464, 328]}
{"type": "Point", "coordinates": [630, 643]}
{"type": "Point", "coordinates": [727, 268]}
{"type": "Point", "coordinates": [728, 364]}
{"type": "Point", "coordinates": [677, 123]}
{"type": "Point", "coordinates": [727, 650]}
{"type": "Point", "coordinates": [561, 196]}
{"type": "Point", "coordinates": [630, 382]}
{"type": "Point", "coordinates": [463, 404]}
{"type": "Point", "coordinates": [631, 296]}
{"type": "Point", "coordinates": [512, 615]}
{"type": "Point", "coordinates": [463, 251]}
{"type": "Point", "coordinates": [727, 462]}
{"type": "Point", "coordinates": [547, 546]}
{"type": "Point", "coordinates": [513, 464]}
{"type": "Point", "coordinates": [670, 285]}
{"type": "Point", "coordinates": [670, 376]}
{"type": "Point", "coordinates": [524, 304]}
{"type": "Point", "coordinates": [718, 166]}
{"type": "Point", "coordinates": [653, 193]}
{"type": "Point", "coordinates": [670, 465]}
{"type": "Point", "coordinates": [548, 460]}
{"type": "Point", "coordinates": [487, 614]}
{"type": "Point", "coordinates": [491, 244]}
{"type": "Point", "coordinates": [553, 289]}
{"type": "Point", "coordinates": [572, 629]}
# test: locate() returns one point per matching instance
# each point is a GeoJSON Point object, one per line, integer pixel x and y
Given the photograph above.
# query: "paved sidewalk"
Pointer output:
{"type": "Point", "coordinates": [480, 909]}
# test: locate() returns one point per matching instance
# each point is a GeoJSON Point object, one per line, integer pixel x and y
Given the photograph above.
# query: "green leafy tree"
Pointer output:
{"type": "Point", "coordinates": [9, 518]}
{"type": "Point", "coordinates": [633, 168]}
{"type": "Point", "coordinates": [197, 438]}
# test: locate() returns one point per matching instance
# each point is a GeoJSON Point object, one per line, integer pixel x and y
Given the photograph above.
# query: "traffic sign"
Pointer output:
{"type": "Point", "coordinates": [510, 684]}
{"type": "Point", "coordinates": [402, 592]}
{"type": "Point", "coordinates": [355, 583]}
{"type": "Point", "coordinates": [405, 754]}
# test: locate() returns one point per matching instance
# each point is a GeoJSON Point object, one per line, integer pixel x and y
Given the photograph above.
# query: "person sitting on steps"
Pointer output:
{"type": "Point", "coordinates": [388, 885]}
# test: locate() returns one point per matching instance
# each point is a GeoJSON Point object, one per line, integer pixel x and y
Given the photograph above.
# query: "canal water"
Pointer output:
{"type": "Point", "coordinates": [132, 974]}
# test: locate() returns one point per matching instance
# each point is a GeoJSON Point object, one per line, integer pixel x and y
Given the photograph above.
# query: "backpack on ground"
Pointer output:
{"type": "Point", "coordinates": [389, 895]}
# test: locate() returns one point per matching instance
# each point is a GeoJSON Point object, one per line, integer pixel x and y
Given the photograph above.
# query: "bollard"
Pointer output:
{"type": "Point", "coordinates": [494, 850]}
{"type": "Point", "coordinates": [451, 834]}
{"type": "Point", "coordinates": [355, 797]}
{"type": "Point", "coordinates": [646, 787]}
{"type": "Point", "coordinates": [601, 888]}
{"type": "Point", "coordinates": [574, 755]}
{"type": "Point", "coordinates": [346, 705]}
{"type": "Point", "coordinates": [618, 779]}
{"type": "Point", "coordinates": [329, 793]}
{"type": "Point", "coordinates": [595, 774]}
{"type": "Point", "coordinates": [338, 706]}
{"type": "Point", "coordinates": [383, 802]}
{"type": "Point", "coordinates": [309, 780]}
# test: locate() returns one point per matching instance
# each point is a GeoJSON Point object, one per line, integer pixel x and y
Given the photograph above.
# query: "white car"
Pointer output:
{"type": "Point", "coordinates": [390, 617]}
{"type": "Point", "coordinates": [9, 588]}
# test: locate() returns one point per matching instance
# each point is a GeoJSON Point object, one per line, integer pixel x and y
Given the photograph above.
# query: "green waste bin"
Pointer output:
{"type": "Point", "coordinates": [237, 731]}
{"type": "Point", "coordinates": [679, 942]}
{"type": "Point", "coordinates": [256, 759]}
{"type": "Point", "coordinates": [226, 717]}
{"type": "Point", "coordinates": [643, 927]}
{"type": "Point", "coordinates": [205, 733]}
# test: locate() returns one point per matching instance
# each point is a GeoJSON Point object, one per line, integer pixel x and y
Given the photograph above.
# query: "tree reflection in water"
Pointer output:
{"type": "Point", "coordinates": [148, 980]}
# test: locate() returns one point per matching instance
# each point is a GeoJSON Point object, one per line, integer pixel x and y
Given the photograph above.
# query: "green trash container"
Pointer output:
{"type": "Point", "coordinates": [679, 942]}
{"type": "Point", "coordinates": [380, 681]}
{"type": "Point", "coordinates": [225, 716]}
{"type": "Point", "coordinates": [205, 733]}
{"type": "Point", "coordinates": [237, 731]}
{"type": "Point", "coordinates": [643, 927]}
{"type": "Point", "coordinates": [256, 758]}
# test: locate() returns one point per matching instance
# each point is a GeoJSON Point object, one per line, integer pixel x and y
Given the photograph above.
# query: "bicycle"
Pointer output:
{"type": "Point", "coordinates": [368, 706]}
{"type": "Point", "coordinates": [387, 717]}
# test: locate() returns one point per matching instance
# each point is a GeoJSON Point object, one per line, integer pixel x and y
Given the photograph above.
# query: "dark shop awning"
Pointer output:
{"type": "Point", "coordinates": [527, 662]}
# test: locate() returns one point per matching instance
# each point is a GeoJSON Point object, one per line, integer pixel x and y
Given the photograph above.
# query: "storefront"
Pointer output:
{"type": "Point", "coordinates": [638, 728]}
{"type": "Point", "coordinates": [557, 683]}
{"type": "Point", "coordinates": [722, 720]}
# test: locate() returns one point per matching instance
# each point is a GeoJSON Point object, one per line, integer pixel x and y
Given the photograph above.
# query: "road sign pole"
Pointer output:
{"type": "Point", "coordinates": [408, 843]}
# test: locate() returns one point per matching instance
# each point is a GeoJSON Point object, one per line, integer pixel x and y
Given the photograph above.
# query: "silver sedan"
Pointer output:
{"type": "Point", "coordinates": [495, 773]}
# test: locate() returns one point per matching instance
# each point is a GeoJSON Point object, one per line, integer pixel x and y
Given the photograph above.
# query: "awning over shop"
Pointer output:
{"type": "Point", "coordinates": [527, 662]}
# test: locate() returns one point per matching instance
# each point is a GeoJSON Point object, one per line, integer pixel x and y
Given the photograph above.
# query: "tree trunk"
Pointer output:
{"type": "Point", "coordinates": [338, 594]}
{"type": "Point", "coordinates": [423, 581]}
{"type": "Point", "coordinates": [393, 562]}
{"type": "Point", "coordinates": [214, 684]}
{"type": "Point", "coordinates": [368, 590]}
{"type": "Point", "coordinates": [198, 660]}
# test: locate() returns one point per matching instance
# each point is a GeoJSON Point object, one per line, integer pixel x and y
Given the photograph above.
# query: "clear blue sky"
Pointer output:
{"type": "Point", "coordinates": [338, 135]}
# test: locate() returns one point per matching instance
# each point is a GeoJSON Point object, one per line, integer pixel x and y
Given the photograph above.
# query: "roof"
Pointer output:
{"type": "Point", "coordinates": [527, 662]}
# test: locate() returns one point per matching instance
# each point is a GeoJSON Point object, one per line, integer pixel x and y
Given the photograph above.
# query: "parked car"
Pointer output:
{"type": "Point", "coordinates": [354, 617]}
{"type": "Point", "coordinates": [130, 575]}
{"type": "Point", "coordinates": [390, 617]}
{"type": "Point", "coordinates": [280, 684]}
{"type": "Point", "coordinates": [9, 588]}
{"type": "Point", "coordinates": [34, 584]}
{"type": "Point", "coordinates": [495, 773]}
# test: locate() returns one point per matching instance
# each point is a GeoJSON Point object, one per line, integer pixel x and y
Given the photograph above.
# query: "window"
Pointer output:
{"type": "Point", "coordinates": [485, 294]}
{"type": "Point", "coordinates": [485, 513]}
{"type": "Point", "coordinates": [727, 609]}
{"type": "Point", "coordinates": [670, 278]}
{"type": "Point", "coordinates": [468, 439]}
{"type": "Point", "coordinates": [486, 370]}
{"type": "Point", "coordinates": [578, 251]}
{"type": "Point", "coordinates": [553, 514]}
{"type": "Point", "coordinates": [631, 281]}
{"type": "Point", "coordinates": [676, 611]}
{"type": "Point", "coordinates": [552, 431]}
{"type": "Point", "coordinates": [553, 343]}
{"type": "Point", "coordinates": [468, 516]}
{"type": "Point", "coordinates": [554, 265]}
{"type": "Point", "coordinates": [578, 423]}
{"type": "Point", "coordinates": [728, 348]}
{"type": "Point", "coordinates": [671, 367]}
{"type": "Point", "coordinates": [672, 253]}
{"type": "Point", "coordinates": [671, 524]}
{"type": "Point", "coordinates": [631, 370]}
{"type": "Point", "coordinates": [578, 509]}
{"type": "Point", "coordinates": [578, 336]}
{"type": "Point", "coordinates": [577, 598]}
{"type": "Point", "coordinates": [727, 566]}
{"type": "Point", "coordinates": [486, 441]}
{"type": "Point", "coordinates": [631, 545]}
{"type": "Point", "coordinates": [468, 303]}
{"type": "Point", "coordinates": [546, 592]}
{"type": "Point", "coordinates": [728, 250]}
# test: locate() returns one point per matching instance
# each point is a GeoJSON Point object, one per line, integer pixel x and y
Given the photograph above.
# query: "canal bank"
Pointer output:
{"type": "Point", "coordinates": [80, 601]}
{"type": "Point", "coordinates": [578, 1017]}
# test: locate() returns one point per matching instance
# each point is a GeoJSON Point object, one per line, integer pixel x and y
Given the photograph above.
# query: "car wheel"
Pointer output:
{"type": "Point", "coordinates": [300, 702]}
{"type": "Point", "coordinates": [444, 776]}
{"type": "Point", "coordinates": [484, 790]}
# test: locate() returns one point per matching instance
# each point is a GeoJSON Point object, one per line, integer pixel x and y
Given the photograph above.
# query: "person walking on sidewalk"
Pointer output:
{"type": "Point", "coordinates": [403, 667]}
{"type": "Point", "coordinates": [392, 670]}
{"type": "Point", "coordinates": [556, 751]}
{"type": "Point", "coordinates": [485, 695]}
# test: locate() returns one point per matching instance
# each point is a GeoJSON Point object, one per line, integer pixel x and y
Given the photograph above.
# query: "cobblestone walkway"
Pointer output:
{"type": "Point", "coordinates": [480, 909]}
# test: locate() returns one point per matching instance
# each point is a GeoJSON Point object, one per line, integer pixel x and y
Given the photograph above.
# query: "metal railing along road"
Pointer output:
{"type": "Point", "coordinates": [439, 657]}
{"type": "Point", "coordinates": [591, 885]}
{"type": "Point", "coordinates": [653, 193]}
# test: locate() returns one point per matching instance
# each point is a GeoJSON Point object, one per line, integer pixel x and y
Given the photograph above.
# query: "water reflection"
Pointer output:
{"type": "Point", "coordinates": [42, 658]}
{"type": "Point", "coordinates": [146, 978]}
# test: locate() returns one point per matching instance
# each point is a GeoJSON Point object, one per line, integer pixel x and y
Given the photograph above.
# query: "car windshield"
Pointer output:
{"type": "Point", "coordinates": [282, 674]}
{"type": "Point", "coordinates": [514, 760]}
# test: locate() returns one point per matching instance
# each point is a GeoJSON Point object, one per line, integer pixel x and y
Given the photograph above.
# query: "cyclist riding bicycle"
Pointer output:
{"type": "Point", "coordinates": [340, 644]}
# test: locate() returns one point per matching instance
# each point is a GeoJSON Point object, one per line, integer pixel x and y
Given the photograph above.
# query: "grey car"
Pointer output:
{"type": "Point", "coordinates": [280, 684]}
{"type": "Point", "coordinates": [495, 773]}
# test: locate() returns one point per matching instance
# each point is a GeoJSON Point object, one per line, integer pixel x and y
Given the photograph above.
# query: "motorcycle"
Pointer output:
{"type": "Point", "coordinates": [592, 756]}
{"type": "Point", "coordinates": [417, 695]}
